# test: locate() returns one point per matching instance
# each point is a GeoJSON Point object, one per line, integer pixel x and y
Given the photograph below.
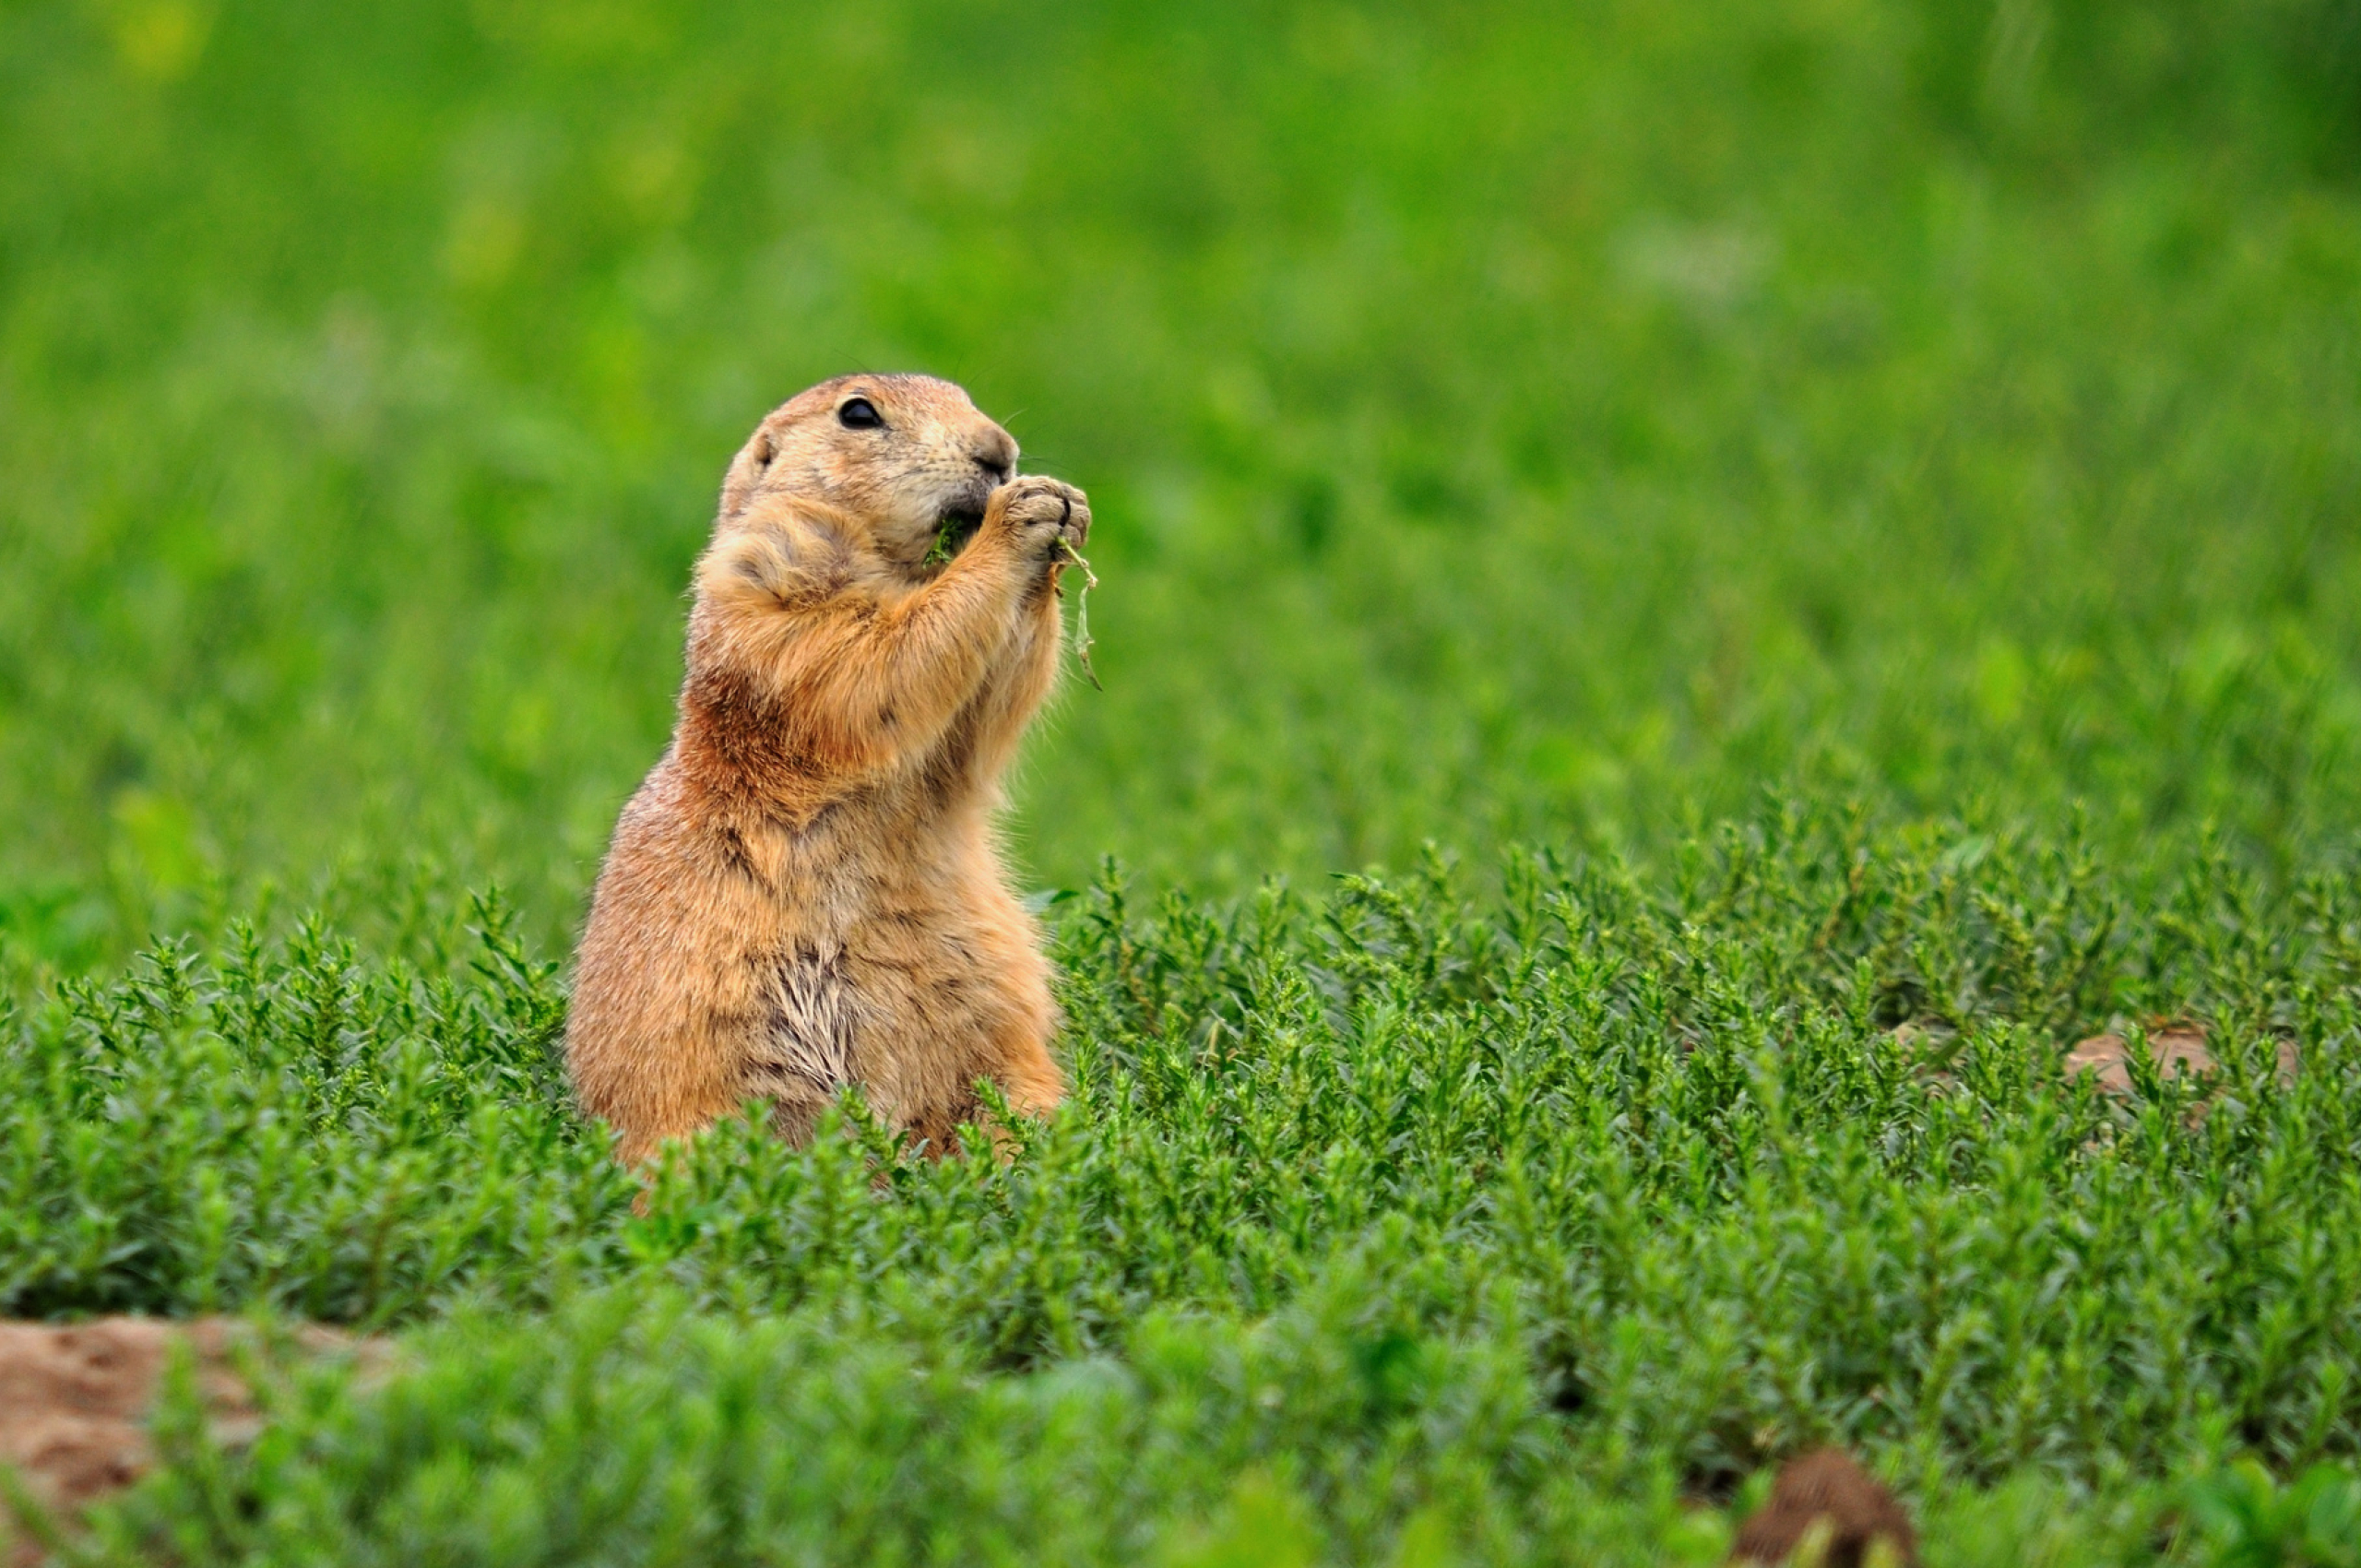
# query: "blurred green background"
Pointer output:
{"type": "Point", "coordinates": [1537, 422]}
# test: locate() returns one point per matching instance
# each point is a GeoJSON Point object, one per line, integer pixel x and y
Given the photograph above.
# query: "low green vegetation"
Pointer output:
{"type": "Point", "coordinates": [1484, 1229]}
{"type": "Point", "coordinates": [1843, 516]}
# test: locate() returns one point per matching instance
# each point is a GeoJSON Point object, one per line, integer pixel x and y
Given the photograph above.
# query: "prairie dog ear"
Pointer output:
{"type": "Point", "coordinates": [746, 472]}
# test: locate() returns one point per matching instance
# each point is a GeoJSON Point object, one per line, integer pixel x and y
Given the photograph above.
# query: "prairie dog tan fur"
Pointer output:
{"type": "Point", "coordinates": [805, 893]}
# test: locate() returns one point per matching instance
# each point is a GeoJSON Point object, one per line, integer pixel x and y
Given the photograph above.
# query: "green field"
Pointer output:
{"type": "Point", "coordinates": [1795, 559]}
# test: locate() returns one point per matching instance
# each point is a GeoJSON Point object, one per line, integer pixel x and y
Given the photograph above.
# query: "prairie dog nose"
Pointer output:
{"type": "Point", "coordinates": [996, 455]}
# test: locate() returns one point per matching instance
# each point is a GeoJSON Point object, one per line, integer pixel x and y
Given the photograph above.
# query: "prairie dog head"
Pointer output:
{"type": "Point", "coordinates": [899, 455]}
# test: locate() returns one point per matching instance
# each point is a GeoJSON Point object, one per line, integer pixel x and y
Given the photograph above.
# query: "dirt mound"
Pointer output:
{"type": "Point", "coordinates": [1823, 1495]}
{"type": "Point", "coordinates": [75, 1400]}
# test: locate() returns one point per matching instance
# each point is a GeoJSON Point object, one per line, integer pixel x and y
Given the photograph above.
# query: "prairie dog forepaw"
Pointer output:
{"type": "Point", "coordinates": [1039, 511]}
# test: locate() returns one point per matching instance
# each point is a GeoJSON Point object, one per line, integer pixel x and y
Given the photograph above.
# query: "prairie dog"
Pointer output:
{"type": "Point", "coordinates": [805, 893]}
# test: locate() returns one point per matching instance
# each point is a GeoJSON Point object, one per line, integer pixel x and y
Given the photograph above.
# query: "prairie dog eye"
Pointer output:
{"type": "Point", "coordinates": [860, 413]}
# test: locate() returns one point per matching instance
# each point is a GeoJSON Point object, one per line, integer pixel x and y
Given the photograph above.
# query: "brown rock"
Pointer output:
{"type": "Point", "coordinates": [1826, 1489]}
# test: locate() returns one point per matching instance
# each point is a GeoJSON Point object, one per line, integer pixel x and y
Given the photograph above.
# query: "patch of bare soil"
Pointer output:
{"type": "Point", "coordinates": [1826, 1509]}
{"type": "Point", "coordinates": [75, 1401]}
{"type": "Point", "coordinates": [2174, 1049]}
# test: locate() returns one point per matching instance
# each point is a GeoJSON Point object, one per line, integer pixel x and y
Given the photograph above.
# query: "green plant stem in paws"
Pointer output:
{"type": "Point", "coordinates": [1082, 612]}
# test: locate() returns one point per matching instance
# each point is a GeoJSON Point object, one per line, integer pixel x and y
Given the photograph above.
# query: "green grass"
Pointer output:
{"type": "Point", "coordinates": [1869, 490]}
{"type": "Point", "coordinates": [1507, 1222]}
{"type": "Point", "coordinates": [1509, 424]}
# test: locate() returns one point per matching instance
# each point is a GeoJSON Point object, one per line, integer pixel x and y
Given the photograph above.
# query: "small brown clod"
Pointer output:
{"type": "Point", "coordinates": [2174, 1049]}
{"type": "Point", "coordinates": [1827, 1485]}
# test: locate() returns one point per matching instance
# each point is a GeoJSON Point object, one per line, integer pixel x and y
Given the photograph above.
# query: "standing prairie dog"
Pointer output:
{"type": "Point", "coordinates": [805, 892]}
